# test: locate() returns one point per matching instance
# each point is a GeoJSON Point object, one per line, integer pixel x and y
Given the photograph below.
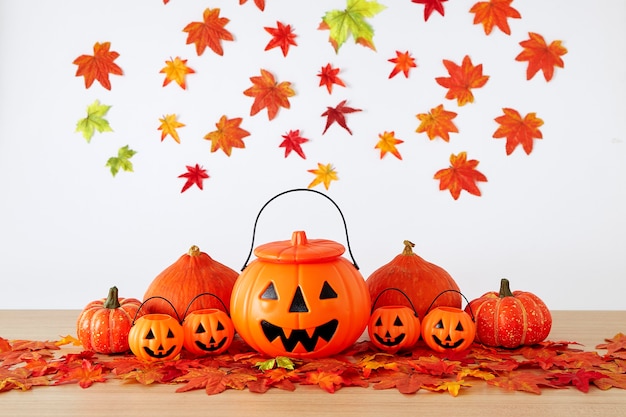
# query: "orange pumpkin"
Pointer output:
{"type": "Point", "coordinates": [193, 273]}
{"type": "Point", "coordinates": [420, 280]}
{"type": "Point", "coordinates": [300, 298]}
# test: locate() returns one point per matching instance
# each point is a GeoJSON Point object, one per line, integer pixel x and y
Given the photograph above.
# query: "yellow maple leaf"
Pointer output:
{"type": "Point", "coordinates": [323, 174]}
{"type": "Point", "coordinates": [169, 124]}
{"type": "Point", "coordinates": [228, 135]}
{"type": "Point", "coordinates": [453, 387]}
{"type": "Point", "coordinates": [66, 340]}
{"type": "Point", "coordinates": [437, 123]}
{"type": "Point", "coordinates": [176, 70]}
{"type": "Point", "coordinates": [387, 143]}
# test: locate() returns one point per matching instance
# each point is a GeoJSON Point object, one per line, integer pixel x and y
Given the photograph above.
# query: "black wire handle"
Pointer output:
{"type": "Point", "coordinates": [150, 298]}
{"type": "Point", "coordinates": [458, 292]}
{"type": "Point", "coordinates": [345, 226]}
{"type": "Point", "coordinates": [200, 295]}
{"type": "Point", "coordinates": [401, 292]}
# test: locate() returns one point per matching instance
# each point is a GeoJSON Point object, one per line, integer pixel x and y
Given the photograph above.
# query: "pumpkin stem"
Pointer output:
{"type": "Point", "coordinates": [194, 251]}
{"type": "Point", "coordinates": [505, 289]}
{"type": "Point", "coordinates": [408, 248]}
{"type": "Point", "coordinates": [112, 300]}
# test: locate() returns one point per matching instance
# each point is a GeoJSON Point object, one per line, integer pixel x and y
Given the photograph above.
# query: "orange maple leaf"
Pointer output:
{"type": "Point", "coordinates": [169, 124]}
{"type": "Point", "coordinates": [176, 70]}
{"type": "Point", "coordinates": [323, 174]}
{"type": "Point", "coordinates": [259, 3]}
{"type": "Point", "coordinates": [210, 32]}
{"type": "Point", "coordinates": [461, 175]}
{"type": "Point", "coordinates": [462, 79]}
{"type": "Point", "coordinates": [404, 62]}
{"type": "Point", "coordinates": [85, 375]}
{"type": "Point", "coordinates": [269, 94]}
{"type": "Point", "coordinates": [328, 77]}
{"type": "Point", "coordinates": [518, 130]}
{"type": "Point", "coordinates": [228, 135]}
{"type": "Point", "coordinates": [387, 143]}
{"type": "Point", "coordinates": [98, 66]}
{"type": "Point", "coordinates": [541, 56]}
{"type": "Point", "coordinates": [494, 12]}
{"type": "Point", "coordinates": [282, 36]}
{"type": "Point", "coordinates": [437, 123]}
{"type": "Point", "coordinates": [329, 381]}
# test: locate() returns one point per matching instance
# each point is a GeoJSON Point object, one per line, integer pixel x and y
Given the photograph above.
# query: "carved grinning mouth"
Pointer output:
{"type": "Point", "coordinates": [448, 345]}
{"type": "Point", "coordinates": [152, 353]}
{"type": "Point", "coordinates": [390, 341]}
{"type": "Point", "coordinates": [325, 331]}
{"type": "Point", "coordinates": [212, 347]}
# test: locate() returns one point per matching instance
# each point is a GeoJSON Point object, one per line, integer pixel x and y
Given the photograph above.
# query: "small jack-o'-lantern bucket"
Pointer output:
{"type": "Point", "coordinates": [448, 328]}
{"type": "Point", "coordinates": [208, 331]}
{"type": "Point", "coordinates": [392, 328]}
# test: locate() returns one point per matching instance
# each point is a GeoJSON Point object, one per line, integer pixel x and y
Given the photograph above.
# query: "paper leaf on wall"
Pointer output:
{"type": "Point", "coordinates": [329, 76]}
{"type": "Point", "coordinates": [324, 174]}
{"type": "Point", "coordinates": [121, 161]}
{"type": "Point", "coordinates": [228, 135]}
{"type": "Point", "coordinates": [259, 3]}
{"type": "Point", "coordinates": [98, 66]}
{"type": "Point", "coordinates": [351, 22]}
{"type": "Point", "coordinates": [283, 37]}
{"type": "Point", "coordinates": [195, 175]}
{"type": "Point", "coordinates": [541, 56]}
{"type": "Point", "coordinates": [269, 94]}
{"type": "Point", "coordinates": [94, 121]}
{"type": "Point", "coordinates": [462, 80]}
{"type": "Point", "coordinates": [387, 144]}
{"type": "Point", "coordinates": [169, 124]}
{"type": "Point", "coordinates": [292, 141]}
{"type": "Point", "coordinates": [337, 114]}
{"type": "Point", "coordinates": [176, 70]}
{"type": "Point", "coordinates": [460, 175]}
{"type": "Point", "coordinates": [437, 123]}
{"type": "Point", "coordinates": [404, 62]}
{"type": "Point", "coordinates": [209, 33]}
{"type": "Point", "coordinates": [494, 13]}
{"type": "Point", "coordinates": [430, 6]}
{"type": "Point", "coordinates": [518, 130]}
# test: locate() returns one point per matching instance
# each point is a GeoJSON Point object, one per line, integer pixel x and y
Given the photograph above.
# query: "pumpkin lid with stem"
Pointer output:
{"type": "Point", "coordinates": [300, 249]}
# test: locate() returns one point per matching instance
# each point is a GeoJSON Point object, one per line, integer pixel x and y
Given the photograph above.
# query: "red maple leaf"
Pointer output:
{"type": "Point", "coordinates": [85, 374]}
{"type": "Point", "coordinates": [541, 56]}
{"type": "Point", "coordinates": [195, 175]}
{"type": "Point", "coordinates": [494, 12]}
{"type": "Point", "coordinates": [580, 379]}
{"type": "Point", "coordinates": [292, 142]}
{"type": "Point", "coordinates": [404, 62]}
{"type": "Point", "coordinates": [269, 94]}
{"type": "Point", "coordinates": [430, 6]}
{"type": "Point", "coordinates": [461, 175]}
{"type": "Point", "coordinates": [282, 36]}
{"type": "Point", "coordinates": [259, 3]}
{"type": "Point", "coordinates": [518, 130]}
{"type": "Point", "coordinates": [210, 32]}
{"type": "Point", "coordinates": [328, 77]}
{"type": "Point", "coordinates": [98, 66]}
{"type": "Point", "coordinates": [462, 80]}
{"type": "Point", "coordinates": [337, 114]}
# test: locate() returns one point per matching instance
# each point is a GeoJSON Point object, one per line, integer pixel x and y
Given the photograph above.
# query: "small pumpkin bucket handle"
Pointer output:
{"type": "Point", "coordinates": [394, 289]}
{"type": "Point", "coordinates": [345, 226]}
{"type": "Point", "coordinates": [203, 294]}
{"type": "Point", "coordinates": [458, 292]}
{"type": "Point", "coordinates": [150, 298]}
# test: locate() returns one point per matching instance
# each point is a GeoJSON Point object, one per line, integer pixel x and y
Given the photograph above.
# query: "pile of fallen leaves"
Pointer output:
{"type": "Point", "coordinates": [25, 364]}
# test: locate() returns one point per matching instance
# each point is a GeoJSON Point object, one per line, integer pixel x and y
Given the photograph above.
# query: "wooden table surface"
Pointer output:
{"type": "Point", "coordinates": [115, 398]}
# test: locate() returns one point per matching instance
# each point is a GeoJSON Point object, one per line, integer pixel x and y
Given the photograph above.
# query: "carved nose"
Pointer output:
{"type": "Point", "coordinates": [298, 305]}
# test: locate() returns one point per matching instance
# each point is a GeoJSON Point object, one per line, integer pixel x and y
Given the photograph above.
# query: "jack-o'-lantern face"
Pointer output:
{"type": "Point", "coordinates": [392, 328]}
{"type": "Point", "coordinates": [208, 332]}
{"type": "Point", "coordinates": [448, 328]}
{"type": "Point", "coordinates": [156, 337]}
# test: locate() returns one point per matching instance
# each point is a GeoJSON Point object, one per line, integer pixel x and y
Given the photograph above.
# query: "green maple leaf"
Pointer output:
{"type": "Point", "coordinates": [351, 21]}
{"type": "Point", "coordinates": [121, 161]}
{"type": "Point", "coordinates": [94, 121]}
{"type": "Point", "coordinates": [278, 362]}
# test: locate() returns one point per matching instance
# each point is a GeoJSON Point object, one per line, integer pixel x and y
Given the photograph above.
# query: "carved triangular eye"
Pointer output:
{"type": "Point", "coordinates": [270, 293]}
{"type": "Point", "coordinates": [220, 326]}
{"type": "Point", "coordinates": [327, 292]}
{"type": "Point", "coordinates": [150, 335]}
{"type": "Point", "coordinates": [170, 334]}
{"type": "Point", "coordinates": [200, 329]}
{"type": "Point", "coordinates": [459, 327]}
{"type": "Point", "coordinates": [397, 322]}
{"type": "Point", "coordinates": [439, 325]}
{"type": "Point", "coordinates": [379, 322]}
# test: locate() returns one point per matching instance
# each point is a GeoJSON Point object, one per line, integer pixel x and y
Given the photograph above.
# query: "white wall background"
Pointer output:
{"type": "Point", "coordinates": [553, 222]}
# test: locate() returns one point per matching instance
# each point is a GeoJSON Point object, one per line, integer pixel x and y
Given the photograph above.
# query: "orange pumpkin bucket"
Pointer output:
{"type": "Point", "coordinates": [300, 298]}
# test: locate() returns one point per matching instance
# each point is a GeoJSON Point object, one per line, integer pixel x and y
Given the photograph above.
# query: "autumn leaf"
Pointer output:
{"type": "Point", "coordinates": [494, 13]}
{"type": "Point", "coordinates": [282, 36]}
{"type": "Point", "coordinates": [462, 80]}
{"type": "Point", "coordinates": [337, 114]}
{"type": "Point", "coordinates": [259, 3]}
{"type": "Point", "coordinates": [269, 94]}
{"type": "Point", "coordinates": [169, 124]}
{"type": "Point", "coordinates": [328, 77]}
{"type": "Point", "coordinates": [461, 175]}
{"type": "Point", "coordinates": [212, 380]}
{"type": "Point", "coordinates": [228, 135]}
{"type": "Point", "coordinates": [518, 130]}
{"type": "Point", "coordinates": [94, 121]}
{"type": "Point", "coordinates": [210, 32]}
{"type": "Point", "coordinates": [387, 143]}
{"type": "Point", "coordinates": [614, 344]}
{"type": "Point", "coordinates": [404, 62]}
{"type": "Point", "coordinates": [351, 22]}
{"type": "Point", "coordinates": [195, 175]}
{"type": "Point", "coordinates": [66, 340]}
{"type": "Point", "coordinates": [323, 174]}
{"type": "Point", "coordinates": [580, 379]}
{"type": "Point", "coordinates": [405, 382]}
{"type": "Point", "coordinates": [121, 161]}
{"type": "Point", "coordinates": [541, 56]}
{"type": "Point", "coordinates": [292, 141]}
{"type": "Point", "coordinates": [527, 381]}
{"type": "Point", "coordinates": [98, 66]}
{"type": "Point", "coordinates": [437, 123]}
{"type": "Point", "coordinates": [85, 375]}
{"type": "Point", "coordinates": [452, 387]}
{"type": "Point", "coordinates": [176, 70]}
{"type": "Point", "coordinates": [430, 6]}
{"type": "Point", "coordinates": [328, 381]}
{"type": "Point", "coordinates": [277, 362]}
